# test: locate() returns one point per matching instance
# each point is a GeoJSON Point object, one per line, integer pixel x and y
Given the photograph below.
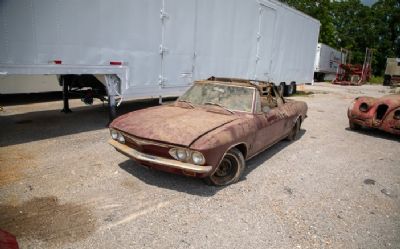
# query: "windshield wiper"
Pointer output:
{"type": "Point", "coordinates": [216, 104]}
{"type": "Point", "coordinates": [187, 102]}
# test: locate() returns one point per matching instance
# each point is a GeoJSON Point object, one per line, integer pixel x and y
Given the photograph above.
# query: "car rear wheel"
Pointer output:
{"type": "Point", "coordinates": [295, 131]}
{"type": "Point", "coordinates": [354, 126]}
{"type": "Point", "coordinates": [229, 170]}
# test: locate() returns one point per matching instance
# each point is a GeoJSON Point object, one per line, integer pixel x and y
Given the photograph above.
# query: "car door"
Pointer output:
{"type": "Point", "coordinates": [270, 127]}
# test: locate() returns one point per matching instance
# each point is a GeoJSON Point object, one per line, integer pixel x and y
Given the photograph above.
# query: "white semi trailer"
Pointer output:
{"type": "Point", "coordinates": [151, 48]}
{"type": "Point", "coordinates": [327, 61]}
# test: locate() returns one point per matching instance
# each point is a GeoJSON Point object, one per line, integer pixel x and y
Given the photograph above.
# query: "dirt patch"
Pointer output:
{"type": "Point", "coordinates": [129, 184]}
{"type": "Point", "coordinates": [12, 165]}
{"type": "Point", "coordinates": [47, 220]}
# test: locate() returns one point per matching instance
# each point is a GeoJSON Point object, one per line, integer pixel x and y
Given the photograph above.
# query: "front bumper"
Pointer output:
{"type": "Point", "coordinates": [186, 167]}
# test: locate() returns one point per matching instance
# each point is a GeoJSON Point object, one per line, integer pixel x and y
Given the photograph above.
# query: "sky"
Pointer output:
{"type": "Point", "coordinates": [368, 2]}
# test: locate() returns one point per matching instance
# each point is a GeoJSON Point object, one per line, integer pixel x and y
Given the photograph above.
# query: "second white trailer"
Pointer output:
{"type": "Point", "coordinates": [327, 61]}
{"type": "Point", "coordinates": [134, 48]}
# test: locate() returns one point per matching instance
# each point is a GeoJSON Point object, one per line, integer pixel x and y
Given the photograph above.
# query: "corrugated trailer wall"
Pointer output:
{"type": "Point", "coordinates": [166, 44]}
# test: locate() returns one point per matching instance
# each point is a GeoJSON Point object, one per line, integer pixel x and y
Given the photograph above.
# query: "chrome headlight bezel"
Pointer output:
{"type": "Point", "coordinates": [117, 136]}
{"type": "Point", "coordinates": [114, 134]}
{"type": "Point", "coordinates": [200, 158]}
{"type": "Point", "coordinates": [121, 138]}
{"type": "Point", "coordinates": [189, 156]}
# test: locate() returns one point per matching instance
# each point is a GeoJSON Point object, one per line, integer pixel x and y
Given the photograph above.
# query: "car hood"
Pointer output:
{"type": "Point", "coordinates": [171, 124]}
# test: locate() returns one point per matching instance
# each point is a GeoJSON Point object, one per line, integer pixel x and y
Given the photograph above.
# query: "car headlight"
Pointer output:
{"type": "Point", "coordinates": [185, 155]}
{"type": "Point", "coordinates": [364, 107]}
{"type": "Point", "coordinates": [121, 138]}
{"type": "Point", "coordinates": [114, 134]}
{"type": "Point", "coordinates": [182, 154]}
{"type": "Point", "coordinates": [198, 158]}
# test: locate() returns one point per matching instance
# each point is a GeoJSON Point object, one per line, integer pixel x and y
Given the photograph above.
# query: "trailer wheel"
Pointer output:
{"type": "Point", "coordinates": [281, 89]}
{"type": "Point", "coordinates": [386, 80]}
{"type": "Point", "coordinates": [291, 89]}
{"type": "Point", "coordinates": [229, 170]}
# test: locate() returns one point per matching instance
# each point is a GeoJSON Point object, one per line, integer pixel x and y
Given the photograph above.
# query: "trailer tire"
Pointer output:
{"type": "Point", "coordinates": [291, 88]}
{"type": "Point", "coordinates": [281, 89]}
{"type": "Point", "coordinates": [386, 80]}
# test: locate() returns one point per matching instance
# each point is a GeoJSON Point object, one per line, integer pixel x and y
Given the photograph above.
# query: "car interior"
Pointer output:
{"type": "Point", "coordinates": [270, 98]}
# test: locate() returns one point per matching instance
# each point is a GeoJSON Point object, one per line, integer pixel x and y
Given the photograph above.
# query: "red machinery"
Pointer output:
{"type": "Point", "coordinates": [354, 74]}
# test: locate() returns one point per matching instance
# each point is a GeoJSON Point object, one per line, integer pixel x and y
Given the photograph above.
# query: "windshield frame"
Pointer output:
{"type": "Point", "coordinates": [224, 84]}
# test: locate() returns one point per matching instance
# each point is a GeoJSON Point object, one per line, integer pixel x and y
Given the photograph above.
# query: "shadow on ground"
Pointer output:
{"type": "Point", "coordinates": [376, 133]}
{"type": "Point", "coordinates": [39, 125]}
{"type": "Point", "coordinates": [195, 186]}
{"type": "Point", "coordinates": [165, 180]}
{"type": "Point", "coordinates": [261, 158]}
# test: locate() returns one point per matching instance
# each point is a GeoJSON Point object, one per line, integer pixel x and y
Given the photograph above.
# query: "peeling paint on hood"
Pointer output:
{"type": "Point", "coordinates": [171, 124]}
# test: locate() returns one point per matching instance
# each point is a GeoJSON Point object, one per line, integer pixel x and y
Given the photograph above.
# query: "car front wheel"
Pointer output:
{"type": "Point", "coordinates": [295, 131]}
{"type": "Point", "coordinates": [229, 170]}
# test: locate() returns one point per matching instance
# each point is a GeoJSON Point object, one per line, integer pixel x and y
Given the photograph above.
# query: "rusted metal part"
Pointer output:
{"type": "Point", "coordinates": [152, 159]}
{"type": "Point", "coordinates": [8, 241]}
{"type": "Point", "coordinates": [171, 124]}
{"type": "Point", "coordinates": [207, 129]}
{"type": "Point", "coordinates": [380, 113]}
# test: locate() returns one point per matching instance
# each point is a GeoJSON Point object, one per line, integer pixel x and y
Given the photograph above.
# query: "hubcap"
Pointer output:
{"type": "Point", "coordinates": [225, 168]}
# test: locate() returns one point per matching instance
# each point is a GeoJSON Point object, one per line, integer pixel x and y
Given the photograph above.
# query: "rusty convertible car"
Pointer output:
{"type": "Point", "coordinates": [211, 130]}
{"type": "Point", "coordinates": [380, 113]}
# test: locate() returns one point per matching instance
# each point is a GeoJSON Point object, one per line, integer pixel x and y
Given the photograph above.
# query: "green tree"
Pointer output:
{"type": "Point", "coordinates": [387, 31]}
{"type": "Point", "coordinates": [350, 24]}
{"type": "Point", "coordinates": [319, 10]}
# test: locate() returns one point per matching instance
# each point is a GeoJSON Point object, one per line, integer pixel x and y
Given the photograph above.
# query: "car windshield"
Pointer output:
{"type": "Point", "coordinates": [232, 98]}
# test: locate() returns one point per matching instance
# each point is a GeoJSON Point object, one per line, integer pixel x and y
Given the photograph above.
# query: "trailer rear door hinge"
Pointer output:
{"type": "Point", "coordinates": [163, 14]}
{"type": "Point", "coordinates": [161, 80]}
{"type": "Point", "coordinates": [163, 50]}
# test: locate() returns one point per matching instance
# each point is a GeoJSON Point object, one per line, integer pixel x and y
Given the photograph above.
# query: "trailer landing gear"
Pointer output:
{"type": "Point", "coordinates": [65, 95]}
{"type": "Point", "coordinates": [112, 110]}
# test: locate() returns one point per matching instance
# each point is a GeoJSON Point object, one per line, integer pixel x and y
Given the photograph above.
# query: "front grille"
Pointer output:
{"type": "Point", "coordinates": [148, 147]}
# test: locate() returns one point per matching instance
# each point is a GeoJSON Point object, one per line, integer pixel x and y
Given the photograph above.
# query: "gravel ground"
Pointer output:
{"type": "Point", "coordinates": [63, 186]}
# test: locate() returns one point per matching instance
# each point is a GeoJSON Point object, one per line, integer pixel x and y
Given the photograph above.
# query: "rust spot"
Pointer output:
{"type": "Point", "coordinates": [47, 220]}
{"type": "Point", "coordinates": [379, 113]}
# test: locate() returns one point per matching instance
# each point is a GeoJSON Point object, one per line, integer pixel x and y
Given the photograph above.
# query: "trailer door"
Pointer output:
{"type": "Point", "coordinates": [178, 42]}
{"type": "Point", "coordinates": [265, 41]}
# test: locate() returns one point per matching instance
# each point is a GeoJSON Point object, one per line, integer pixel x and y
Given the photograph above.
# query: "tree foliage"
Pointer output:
{"type": "Point", "coordinates": [350, 24]}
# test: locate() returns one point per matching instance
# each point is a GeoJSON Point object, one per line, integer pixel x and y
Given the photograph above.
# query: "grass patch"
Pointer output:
{"type": "Point", "coordinates": [376, 80]}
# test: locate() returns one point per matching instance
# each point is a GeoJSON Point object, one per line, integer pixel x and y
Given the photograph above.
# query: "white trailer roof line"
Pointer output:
{"type": "Point", "coordinates": [165, 44]}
